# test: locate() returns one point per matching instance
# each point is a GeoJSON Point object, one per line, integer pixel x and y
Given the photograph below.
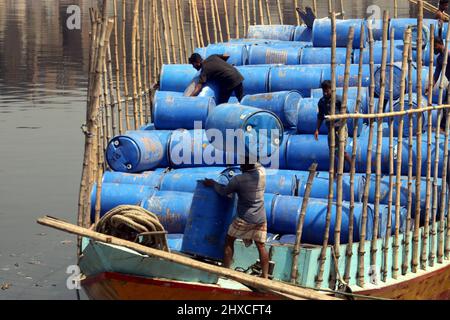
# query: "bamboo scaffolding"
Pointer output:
{"type": "Point", "coordinates": [442, 240]}
{"type": "Point", "coordinates": [227, 24]}
{"type": "Point", "coordinates": [124, 65]}
{"type": "Point", "coordinates": [301, 220]}
{"type": "Point", "coordinates": [236, 19]}
{"type": "Point", "coordinates": [387, 240]}
{"type": "Point", "coordinates": [430, 8]}
{"type": "Point", "coordinates": [280, 12]}
{"type": "Point", "coordinates": [134, 36]}
{"type": "Point", "coordinates": [407, 238]}
{"type": "Point", "coordinates": [436, 159]}
{"type": "Point", "coordinates": [349, 249]}
{"type": "Point", "coordinates": [426, 229]}
{"type": "Point", "coordinates": [146, 104]}
{"type": "Point", "coordinates": [261, 17]}
{"type": "Point", "coordinates": [374, 242]}
{"type": "Point", "coordinates": [117, 69]}
{"type": "Point", "coordinates": [219, 24]}
{"type": "Point", "coordinates": [361, 247]}
{"type": "Point", "coordinates": [164, 24]}
{"type": "Point", "coordinates": [213, 17]}
{"type": "Point", "coordinates": [252, 281]}
{"type": "Point", "coordinates": [341, 150]}
{"type": "Point", "coordinates": [415, 250]}
{"type": "Point", "coordinates": [396, 245]}
{"type": "Point", "coordinates": [208, 38]}
{"type": "Point", "coordinates": [269, 18]}
{"type": "Point", "coordinates": [322, 258]}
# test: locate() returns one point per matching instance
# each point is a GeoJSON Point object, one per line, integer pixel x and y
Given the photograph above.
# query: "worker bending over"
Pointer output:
{"type": "Point", "coordinates": [250, 223]}
{"type": "Point", "coordinates": [223, 76]}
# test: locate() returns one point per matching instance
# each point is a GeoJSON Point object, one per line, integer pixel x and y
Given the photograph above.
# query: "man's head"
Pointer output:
{"type": "Point", "coordinates": [326, 88]}
{"type": "Point", "coordinates": [196, 61]}
{"type": "Point", "coordinates": [443, 5]}
{"type": "Point", "coordinates": [438, 46]}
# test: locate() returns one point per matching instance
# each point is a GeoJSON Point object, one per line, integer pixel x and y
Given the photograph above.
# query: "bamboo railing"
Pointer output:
{"type": "Point", "coordinates": [128, 49]}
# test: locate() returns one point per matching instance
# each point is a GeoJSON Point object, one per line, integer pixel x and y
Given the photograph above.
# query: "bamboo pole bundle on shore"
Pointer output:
{"type": "Point", "coordinates": [322, 259]}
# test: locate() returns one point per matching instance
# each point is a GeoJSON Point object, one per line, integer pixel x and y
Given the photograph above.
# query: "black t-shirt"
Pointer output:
{"type": "Point", "coordinates": [325, 109]}
{"type": "Point", "coordinates": [219, 73]}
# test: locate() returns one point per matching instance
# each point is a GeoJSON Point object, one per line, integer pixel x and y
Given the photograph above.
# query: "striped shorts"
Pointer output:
{"type": "Point", "coordinates": [248, 232]}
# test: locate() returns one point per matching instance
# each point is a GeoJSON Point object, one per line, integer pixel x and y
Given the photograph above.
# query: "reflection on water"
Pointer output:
{"type": "Point", "coordinates": [43, 68]}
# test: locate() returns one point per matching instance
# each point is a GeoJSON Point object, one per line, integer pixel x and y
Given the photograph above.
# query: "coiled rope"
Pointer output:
{"type": "Point", "coordinates": [134, 223]}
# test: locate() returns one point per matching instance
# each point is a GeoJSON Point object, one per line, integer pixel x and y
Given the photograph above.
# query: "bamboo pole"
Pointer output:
{"type": "Point", "coordinates": [342, 10]}
{"type": "Point", "coordinates": [436, 159]}
{"type": "Point", "coordinates": [146, 104]}
{"type": "Point", "coordinates": [426, 230]}
{"type": "Point", "coordinates": [180, 39]}
{"type": "Point", "coordinates": [445, 163]}
{"type": "Point", "coordinates": [133, 64]}
{"type": "Point", "coordinates": [254, 12]}
{"type": "Point", "coordinates": [361, 247]}
{"type": "Point", "coordinates": [227, 24]}
{"type": "Point", "coordinates": [396, 246]}
{"type": "Point", "coordinates": [407, 238]}
{"type": "Point", "coordinates": [322, 259]}
{"type": "Point", "coordinates": [172, 38]}
{"type": "Point", "coordinates": [112, 99]}
{"type": "Point", "coordinates": [154, 57]}
{"type": "Point", "coordinates": [139, 76]}
{"type": "Point", "coordinates": [300, 222]}
{"type": "Point", "coordinates": [183, 34]}
{"type": "Point", "coordinates": [316, 13]}
{"type": "Point", "coordinates": [124, 65]}
{"type": "Point", "coordinates": [208, 38]}
{"type": "Point", "coordinates": [341, 150]}
{"type": "Point", "coordinates": [261, 17]}
{"type": "Point", "coordinates": [244, 18]}
{"type": "Point", "coordinates": [252, 281]}
{"type": "Point", "coordinates": [166, 37]}
{"type": "Point", "coordinates": [219, 24]}
{"type": "Point", "coordinates": [191, 25]}
{"type": "Point", "coordinates": [387, 240]}
{"type": "Point", "coordinates": [349, 249]}
{"type": "Point", "coordinates": [415, 251]}
{"type": "Point", "coordinates": [106, 100]}
{"type": "Point", "coordinates": [99, 180]}
{"type": "Point", "coordinates": [395, 9]}
{"type": "Point", "coordinates": [280, 12]}
{"type": "Point", "coordinates": [269, 18]}
{"type": "Point", "coordinates": [330, 7]}
{"type": "Point", "coordinates": [199, 23]}
{"type": "Point", "coordinates": [158, 41]}
{"type": "Point", "coordinates": [213, 17]}
{"type": "Point", "coordinates": [296, 14]}
{"type": "Point", "coordinates": [247, 5]}
{"type": "Point", "coordinates": [151, 61]}
{"type": "Point", "coordinates": [236, 19]}
{"type": "Point", "coordinates": [117, 69]}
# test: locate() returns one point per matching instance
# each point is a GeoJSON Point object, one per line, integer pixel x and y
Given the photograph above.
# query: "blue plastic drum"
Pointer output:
{"type": "Point", "coordinates": [267, 54]}
{"type": "Point", "coordinates": [321, 32]}
{"type": "Point", "coordinates": [271, 32]}
{"type": "Point", "coordinates": [303, 33]}
{"type": "Point", "coordinates": [176, 77]}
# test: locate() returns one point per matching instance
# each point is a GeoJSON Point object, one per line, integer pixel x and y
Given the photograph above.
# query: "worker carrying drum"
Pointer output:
{"type": "Point", "coordinates": [220, 74]}
{"type": "Point", "coordinates": [250, 223]}
{"type": "Point", "coordinates": [325, 110]}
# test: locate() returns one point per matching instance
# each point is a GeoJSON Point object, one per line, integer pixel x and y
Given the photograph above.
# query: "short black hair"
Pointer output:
{"type": "Point", "coordinates": [195, 57]}
{"type": "Point", "coordinates": [438, 40]}
{"type": "Point", "coordinates": [326, 84]}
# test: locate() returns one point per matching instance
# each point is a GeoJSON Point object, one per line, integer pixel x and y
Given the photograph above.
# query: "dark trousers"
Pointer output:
{"type": "Point", "coordinates": [224, 95]}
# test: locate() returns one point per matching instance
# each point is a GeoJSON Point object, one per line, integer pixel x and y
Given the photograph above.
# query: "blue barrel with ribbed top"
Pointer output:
{"type": "Point", "coordinates": [256, 78]}
{"type": "Point", "coordinates": [148, 178]}
{"type": "Point", "coordinates": [299, 158]}
{"type": "Point", "coordinates": [283, 103]}
{"type": "Point", "coordinates": [321, 32]}
{"type": "Point", "coordinates": [176, 77]}
{"type": "Point", "coordinates": [301, 78]}
{"type": "Point", "coordinates": [171, 207]}
{"type": "Point", "coordinates": [410, 104]}
{"type": "Point", "coordinates": [289, 44]}
{"type": "Point", "coordinates": [401, 24]}
{"type": "Point", "coordinates": [238, 54]}
{"type": "Point", "coordinates": [307, 117]}
{"type": "Point", "coordinates": [303, 33]}
{"type": "Point", "coordinates": [352, 93]}
{"type": "Point", "coordinates": [138, 151]}
{"type": "Point", "coordinates": [310, 55]}
{"type": "Point", "coordinates": [174, 112]}
{"type": "Point", "coordinates": [268, 54]}
{"type": "Point", "coordinates": [377, 52]}
{"type": "Point", "coordinates": [353, 75]}
{"type": "Point", "coordinates": [286, 211]}
{"type": "Point", "coordinates": [185, 180]}
{"type": "Point", "coordinates": [191, 148]}
{"type": "Point", "coordinates": [206, 228]}
{"type": "Point", "coordinates": [282, 182]}
{"type": "Point", "coordinates": [247, 131]}
{"type": "Point", "coordinates": [271, 32]}
{"type": "Point", "coordinates": [319, 188]}
{"type": "Point", "coordinates": [117, 194]}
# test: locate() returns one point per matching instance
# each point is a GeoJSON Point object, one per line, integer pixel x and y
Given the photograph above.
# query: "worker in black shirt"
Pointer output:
{"type": "Point", "coordinates": [219, 73]}
{"type": "Point", "coordinates": [325, 110]}
{"type": "Point", "coordinates": [439, 49]}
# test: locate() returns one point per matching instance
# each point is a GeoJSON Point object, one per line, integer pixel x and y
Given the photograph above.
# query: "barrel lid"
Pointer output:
{"type": "Point", "coordinates": [291, 107]}
{"type": "Point", "coordinates": [123, 154]}
{"type": "Point", "coordinates": [397, 80]}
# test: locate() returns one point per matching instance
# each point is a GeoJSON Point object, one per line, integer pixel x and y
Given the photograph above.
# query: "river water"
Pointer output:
{"type": "Point", "coordinates": [43, 68]}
